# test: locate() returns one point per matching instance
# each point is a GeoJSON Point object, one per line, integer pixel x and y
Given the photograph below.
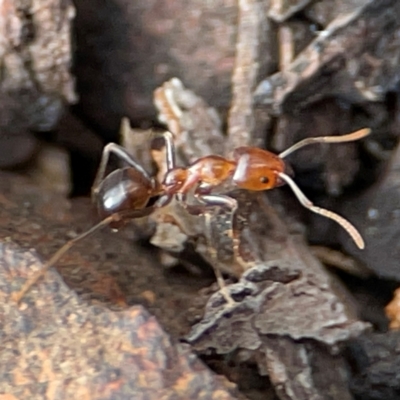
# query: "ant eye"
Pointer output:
{"type": "Point", "coordinates": [264, 179]}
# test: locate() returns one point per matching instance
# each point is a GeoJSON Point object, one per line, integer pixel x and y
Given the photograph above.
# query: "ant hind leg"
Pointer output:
{"type": "Point", "coordinates": [35, 277]}
{"type": "Point", "coordinates": [116, 217]}
{"type": "Point", "coordinates": [120, 152]}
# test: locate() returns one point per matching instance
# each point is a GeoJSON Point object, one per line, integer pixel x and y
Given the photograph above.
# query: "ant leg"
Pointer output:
{"type": "Point", "coordinates": [116, 217]}
{"type": "Point", "coordinates": [231, 204]}
{"type": "Point", "coordinates": [123, 154]}
{"type": "Point", "coordinates": [35, 277]}
{"type": "Point", "coordinates": [213, 254]}
{"type": "Point", "coordinates": [167, 136]}
{"type": "Point", "coordinates": [120, 152]}
{"type": "Point", "coordinates": [170, 147]}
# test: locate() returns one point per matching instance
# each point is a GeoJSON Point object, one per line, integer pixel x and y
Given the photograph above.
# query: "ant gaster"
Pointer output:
{"type": "Point", "coordinates": [124, 194]}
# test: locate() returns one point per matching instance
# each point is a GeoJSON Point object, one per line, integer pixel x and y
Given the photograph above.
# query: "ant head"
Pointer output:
{"type": "Point", "coordinates": [257, 169]}
{"type": "Point", "coordinates": [174, 179]}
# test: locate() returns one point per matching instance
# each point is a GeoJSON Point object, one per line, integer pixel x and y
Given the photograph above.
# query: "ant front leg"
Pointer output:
{"type": "Point", "coordinates": [230, 204]}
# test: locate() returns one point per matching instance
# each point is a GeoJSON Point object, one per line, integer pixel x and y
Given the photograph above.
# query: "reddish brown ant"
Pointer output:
{"type": "Point", "coordinates": [124, 194]}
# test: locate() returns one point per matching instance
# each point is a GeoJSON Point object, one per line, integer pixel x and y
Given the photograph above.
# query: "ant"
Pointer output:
{"type": "Point", "coordinates": [124, 194]}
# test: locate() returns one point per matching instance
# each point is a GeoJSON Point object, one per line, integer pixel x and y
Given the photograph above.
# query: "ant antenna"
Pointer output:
{"type": "Point", "coordinates": [304, 201]}
{"type": "Point", "coordinates": [327, 139]}
{"type": "Point", "coordinates": [116, 217]}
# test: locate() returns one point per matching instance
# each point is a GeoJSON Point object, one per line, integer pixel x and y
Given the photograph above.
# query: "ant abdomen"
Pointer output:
{"type": "Point", "coordinates": [123, 189]}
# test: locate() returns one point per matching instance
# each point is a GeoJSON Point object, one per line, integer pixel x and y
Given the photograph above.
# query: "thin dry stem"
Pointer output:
{"type": "Point", "coordinates": [286, 47]}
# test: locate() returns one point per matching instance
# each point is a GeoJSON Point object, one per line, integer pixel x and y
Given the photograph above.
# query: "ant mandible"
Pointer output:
{"type": "Point", "coordinates": [124, 193]}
